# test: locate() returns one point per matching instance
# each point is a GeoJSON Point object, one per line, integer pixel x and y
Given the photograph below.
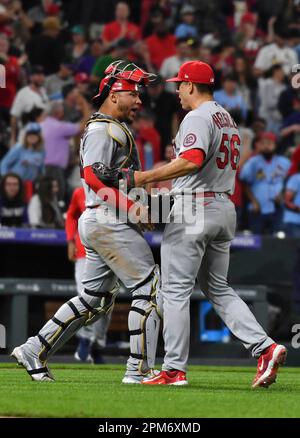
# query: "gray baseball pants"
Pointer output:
{"type": "Point", "coordinates": [187, 254]}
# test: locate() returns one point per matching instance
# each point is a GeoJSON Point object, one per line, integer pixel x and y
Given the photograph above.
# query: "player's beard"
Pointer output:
{"type": "Point", "coordinates": [124, 112]}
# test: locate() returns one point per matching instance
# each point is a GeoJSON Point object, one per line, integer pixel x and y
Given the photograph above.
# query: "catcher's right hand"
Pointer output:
{"type": "Point", "coordinates": [127, 175]}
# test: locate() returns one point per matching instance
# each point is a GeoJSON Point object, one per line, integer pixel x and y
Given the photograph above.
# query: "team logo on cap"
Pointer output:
{"type": "Point", "coordinates": [189, 140]}
{"type": "Point", "coordinates": [118, 86]}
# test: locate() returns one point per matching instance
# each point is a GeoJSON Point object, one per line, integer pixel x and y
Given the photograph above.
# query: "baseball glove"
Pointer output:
{"type": "Point", "coordinates": [111, 176]}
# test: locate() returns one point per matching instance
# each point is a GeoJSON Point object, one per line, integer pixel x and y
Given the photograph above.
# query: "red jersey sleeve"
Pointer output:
{"type": "Point", "coordinates": [109, 194]}
{"type": "Point", "coordinates": [196, 156]}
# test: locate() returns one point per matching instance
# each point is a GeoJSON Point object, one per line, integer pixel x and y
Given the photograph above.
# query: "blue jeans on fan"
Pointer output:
{"type": "Point", "coordinates": [265, 223]}
{"type": "Point", "coordinates": [292, 230]}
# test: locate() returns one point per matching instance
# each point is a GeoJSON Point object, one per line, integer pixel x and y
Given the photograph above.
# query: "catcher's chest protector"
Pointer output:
{"type": "Point", "coordinates": [130, 155]}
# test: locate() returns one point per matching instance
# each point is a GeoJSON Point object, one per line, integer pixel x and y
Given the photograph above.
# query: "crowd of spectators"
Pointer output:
{"type": "Point", "coordinates": [55, 53]}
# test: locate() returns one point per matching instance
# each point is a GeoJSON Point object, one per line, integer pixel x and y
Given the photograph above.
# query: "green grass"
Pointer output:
{"type": "Point", "coordinates": [96, 391]}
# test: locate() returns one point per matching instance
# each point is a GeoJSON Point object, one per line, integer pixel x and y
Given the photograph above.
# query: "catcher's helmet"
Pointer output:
{"type": "Point", "coordinates": [122, 76]}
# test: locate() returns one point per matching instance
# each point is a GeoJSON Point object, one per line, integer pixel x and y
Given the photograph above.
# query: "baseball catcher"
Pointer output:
{"type": "Point", "coordinates": [115, 247]}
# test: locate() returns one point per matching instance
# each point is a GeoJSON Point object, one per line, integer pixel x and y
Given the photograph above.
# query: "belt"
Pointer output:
{"type": "Point", "coordinates": [211, 194]}
{"type": "Point", "coordinates": [203, 194]}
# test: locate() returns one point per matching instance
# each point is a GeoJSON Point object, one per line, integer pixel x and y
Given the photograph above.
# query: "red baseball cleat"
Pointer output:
{"type": "Point", "coordinates": [175, 378]}
{"type": "Point", "coordinates": [267, 366]}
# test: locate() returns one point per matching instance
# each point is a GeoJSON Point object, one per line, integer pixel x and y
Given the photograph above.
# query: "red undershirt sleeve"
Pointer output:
{"type": "Point", "coordinates": [196, 156]}
{"type": "Point", "coordinates": [111, 195]}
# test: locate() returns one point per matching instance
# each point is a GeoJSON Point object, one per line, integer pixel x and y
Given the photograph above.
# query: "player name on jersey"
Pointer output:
{"type": "Point", "coordinates": [223, 120]}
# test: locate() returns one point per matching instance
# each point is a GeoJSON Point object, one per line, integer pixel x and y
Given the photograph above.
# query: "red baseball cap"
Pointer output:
{"type": "Point", "coordinates": [195, 71]}
{"type": "Point", "coordinates": [81, 78]}
{"type": "Point", "coordinates": [53, 9]}
{"type": "Point", "coordinates": [248, 17]}
{"type": "Point", "coordinates": [268, 136]}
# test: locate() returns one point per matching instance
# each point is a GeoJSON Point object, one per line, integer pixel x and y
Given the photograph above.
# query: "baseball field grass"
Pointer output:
{"type": "Point", "coordinates": [96, 391]}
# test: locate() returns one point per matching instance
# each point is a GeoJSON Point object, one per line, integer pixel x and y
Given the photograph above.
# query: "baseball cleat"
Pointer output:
{"type": "Point", "coordinates": [35, 368]}
{"type": "Point", "coordinates": [139, 378]}
{"type": "Point", "coordinates": [88, 359]}
{"type": "Point", "coordinates": [82, 354]}
{"type": "Point", "coordinates": [267, 366]}
{"type": "Point", "coordinates": [175, 378]}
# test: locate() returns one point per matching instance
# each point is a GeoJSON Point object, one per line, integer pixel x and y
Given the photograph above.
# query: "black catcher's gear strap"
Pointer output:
{"type": "Point", "coordinates": [105, 92]}
{"type": "Point", "coordinates": [111, 176]}
{"type": "Point", "coordinates": [131, 158]}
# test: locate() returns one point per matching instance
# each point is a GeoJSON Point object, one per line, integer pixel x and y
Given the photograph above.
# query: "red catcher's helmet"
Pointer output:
{"type": "Point", "coordinates": [195, 71]}
{"type": "Point", "coordinates": [122, 76]}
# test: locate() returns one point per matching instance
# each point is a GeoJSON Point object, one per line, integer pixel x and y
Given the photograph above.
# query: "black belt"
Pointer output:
{"type": "Point", "coordinates": [202, 194]}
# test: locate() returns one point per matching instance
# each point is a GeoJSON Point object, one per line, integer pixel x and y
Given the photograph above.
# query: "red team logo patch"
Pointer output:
{"type": "Point", "coordinates": [189, 140]}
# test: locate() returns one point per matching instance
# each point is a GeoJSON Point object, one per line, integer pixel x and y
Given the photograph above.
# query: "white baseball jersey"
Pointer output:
{"type": "Point", "coordinates": [211, 129]}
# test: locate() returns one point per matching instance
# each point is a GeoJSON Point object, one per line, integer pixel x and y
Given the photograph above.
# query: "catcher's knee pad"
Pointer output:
{"type": "Point", "coordinates": [71, 317]}
{"type": "Point", "coordinates": [144, 321]}
{"type": "Point", "coordinates": [107, 301]}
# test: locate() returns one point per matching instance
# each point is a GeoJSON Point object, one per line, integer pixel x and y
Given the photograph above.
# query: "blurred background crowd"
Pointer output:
{"type": "Point", "coordinates": [55, 53]}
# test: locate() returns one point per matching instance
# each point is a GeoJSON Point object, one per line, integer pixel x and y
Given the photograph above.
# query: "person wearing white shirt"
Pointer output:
{"type": "Point", "coordinates": [43, 207]}
{"type": "Point", "coordinates": [29, 97]}
{"type": "Point", "coordinates": [171, 65]}
{"type": "Point", "coordinates": [276, 53]}
{"type": "Point", "coordinates": [269, 91]}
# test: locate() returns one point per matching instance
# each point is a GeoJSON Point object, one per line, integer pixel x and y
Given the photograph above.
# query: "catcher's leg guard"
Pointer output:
{"type": "Point", "coordinates": [77, 312]}
{"type": "Point", "coordinates": [143, 322]}
{"type": "Point", "coordinates": [107, 302]}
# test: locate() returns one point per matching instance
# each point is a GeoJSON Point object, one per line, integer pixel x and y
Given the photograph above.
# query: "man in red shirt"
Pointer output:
{"type": "Point", "coordinates": [295, 166]}
{"type": "Point", "coordinates": [92, 338]}
{"type": "Point", "coordinates": [121, 27]}
{"type": "Point", "coordinates": [161, 44]}
{"type": "Point", "coordinates": [147, 139]}
{"type": "Point", "coordinates": [12, 75]}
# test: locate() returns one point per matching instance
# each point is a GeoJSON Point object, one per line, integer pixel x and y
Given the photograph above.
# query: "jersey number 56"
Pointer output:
{"type": "Point", "coordinates": [230, 152]}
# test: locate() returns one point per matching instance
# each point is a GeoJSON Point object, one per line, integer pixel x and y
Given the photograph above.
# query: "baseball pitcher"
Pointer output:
{"type": "Point", "coordinates": [207, 150]}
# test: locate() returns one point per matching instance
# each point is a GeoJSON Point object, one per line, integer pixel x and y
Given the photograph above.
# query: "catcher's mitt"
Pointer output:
{"type": "Point", "coordinates": [111, 177]}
